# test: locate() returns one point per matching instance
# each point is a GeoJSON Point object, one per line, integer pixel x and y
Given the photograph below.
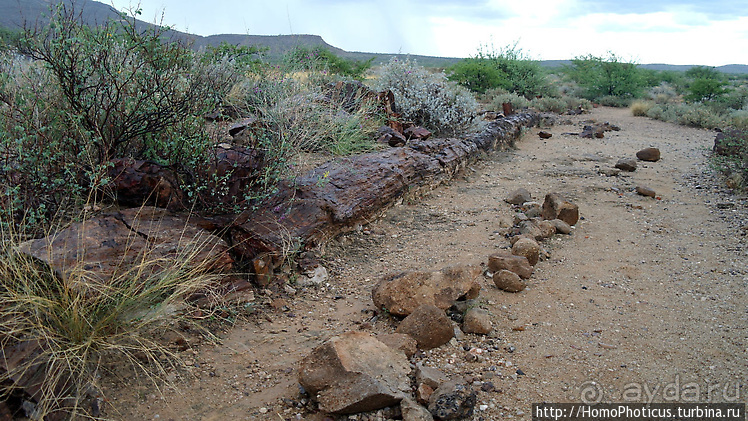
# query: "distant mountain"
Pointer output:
{"type": "Point", "coordinates": [15, 14]}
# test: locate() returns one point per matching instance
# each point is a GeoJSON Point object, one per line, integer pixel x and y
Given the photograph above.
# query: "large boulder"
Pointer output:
{"type": "Point", "coordinates": [558, 207]}
{"type": "Point", "coordinates": [355, 372]}
{"type": "Point", "coordinates": [429, 326]}
{"type": "Point", "coordinates": [97, 249]}
{"type": "Point", "coordinates": [402, 293]}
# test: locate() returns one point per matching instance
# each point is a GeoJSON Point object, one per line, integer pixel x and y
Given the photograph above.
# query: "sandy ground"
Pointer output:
{"type": "Point", "coordinates": [645, 301]}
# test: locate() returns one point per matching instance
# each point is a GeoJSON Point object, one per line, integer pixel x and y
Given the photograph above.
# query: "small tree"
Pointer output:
{"type": "Point", "coordinates": [509, 69]}
{"type": "Point", "coordinates": [606, 76]}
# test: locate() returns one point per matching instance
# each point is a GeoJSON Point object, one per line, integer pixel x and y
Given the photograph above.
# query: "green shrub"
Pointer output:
{"type": "Point", "coordinates": [509, 69]}
{"type": "Point", "coordinates": [428, 99]}
{"type": "Point", "coordinates": [605, 78]}
{"type": "Point", "coordinates": [705, 90]}
{"type": "Point", "coordinates": [92, 94]}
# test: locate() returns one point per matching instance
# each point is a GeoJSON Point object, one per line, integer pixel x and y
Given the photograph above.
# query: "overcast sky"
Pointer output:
{"type": "Point", "coordinates": [705, 32]}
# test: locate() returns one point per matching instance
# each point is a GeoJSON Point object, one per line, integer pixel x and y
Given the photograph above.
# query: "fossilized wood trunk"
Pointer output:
{"type": "Point", "coordinates": [340, 194]}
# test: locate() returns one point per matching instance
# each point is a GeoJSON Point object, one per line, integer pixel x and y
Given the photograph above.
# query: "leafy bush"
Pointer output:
{"type": "Point", "coordinates": [96, 93]}
{"type": "Point", "coordinates": [705, 90]}
{"type": "Point", "coordinates": [508, 69]}
{"type": "Point", "coordinates": [428, 99]}
{"type": "Point", "coordinates": [605, 78]}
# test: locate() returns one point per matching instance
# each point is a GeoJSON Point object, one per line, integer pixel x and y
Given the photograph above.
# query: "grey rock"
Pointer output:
{"type": "Point", "coordinates": [561, 226]}
{"type": "Point", "coordinates": [626, 164]}
{"type": "Point", "coordinates": [518, 197]}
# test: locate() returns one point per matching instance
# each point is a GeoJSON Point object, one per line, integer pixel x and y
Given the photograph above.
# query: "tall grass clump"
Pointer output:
{"type": "Point", "coordinates": [428, 99]}
{"type": "Point", "coordinates": [306, 112]}
{"type": "Point", "coordinates": [75, 321]}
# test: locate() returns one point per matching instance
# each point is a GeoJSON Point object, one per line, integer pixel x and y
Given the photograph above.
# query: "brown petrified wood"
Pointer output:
{"type": "Point", "coordinates": [343, 193]}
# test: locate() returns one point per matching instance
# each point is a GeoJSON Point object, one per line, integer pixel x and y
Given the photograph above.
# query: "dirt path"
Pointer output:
{"type": "Point", "coordinates": [645, 301]}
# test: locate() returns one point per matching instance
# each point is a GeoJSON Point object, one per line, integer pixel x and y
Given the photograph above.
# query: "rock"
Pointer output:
{"type": "Point", "coordinates": [400, 342]}
{"type": "Point", "coordinates": [477, 321]}
{"type": "Point", "coordinates": [527, 248]}
{"type": "Point", "coordinates": [137, 183]}
{"type": "Point", "coordinates": [354, 372]}
{"type": "Point", "coordinates": [423, 393]}
{"type": "Point", "coordinates": [508, 281]}
{"type": "Point", "coordinates": [649, 154]}
{"type": "Point", "coordinates": [412, 411]}
{"type": "Point", "coordinates": [313, 277]}
{"type": "Point", "coordinates": [391, 137]}
{"type": "Point", "coordinates": [532, 209]}
{"type": "Point", "coordinates": [626, 164]}
{"type": "Point", "coordinates": [401, 294]}
{"type": "Point", "coordinates": [530, 229]}
{"type": "Point", "coordinates": [609, 172]}
{"type": "Point", "coordinates": [544, 135]}
{"type": "Point", "coordinates": [558, 207]}
{"type": "Point", "coordinates": [238, 131]}
{"type": "Point", "coordinates": [506, 260]}
{"type": "Point", "coordinates": [547, 229]}
{"type": "Point", "coordinates": [452, 401]}
{"type": "Point", "coordinates": [428, 325]}
{"type": "Point", "coordinates": [415, 132]}
{"type": "Point", "coordinates": [430, 376]}
{"type": "Point", "coordinates": [646, 191]}
{"type": "Point", "coordinates": [263, 266]}
{"type": "Point", "coordinates": [561, 226]}
{"type": "Point", "coordinates": [113, 244]}
{"type": "Point", "coordinates": [589, 132]}
{"type": "Point", "coordinates": [518, 197]}
{"type": "Point", "coordinates": [520, 217]}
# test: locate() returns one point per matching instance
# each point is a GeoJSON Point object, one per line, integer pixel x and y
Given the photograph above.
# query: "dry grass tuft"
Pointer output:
{"type": "Point", "coordinates": [55, 330]}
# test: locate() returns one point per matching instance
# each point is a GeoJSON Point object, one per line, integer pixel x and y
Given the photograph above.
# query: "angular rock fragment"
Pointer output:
{"type": "Point", "coordinates": [401, 294]}
{"type": "Point", "coordinates": [355, 372]}
{"type": "Point", "coordinates": [558, 207]}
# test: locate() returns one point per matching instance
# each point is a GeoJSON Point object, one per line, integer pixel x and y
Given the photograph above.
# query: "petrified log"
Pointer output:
{"type": "Point", "coordinates": [340, 194]}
